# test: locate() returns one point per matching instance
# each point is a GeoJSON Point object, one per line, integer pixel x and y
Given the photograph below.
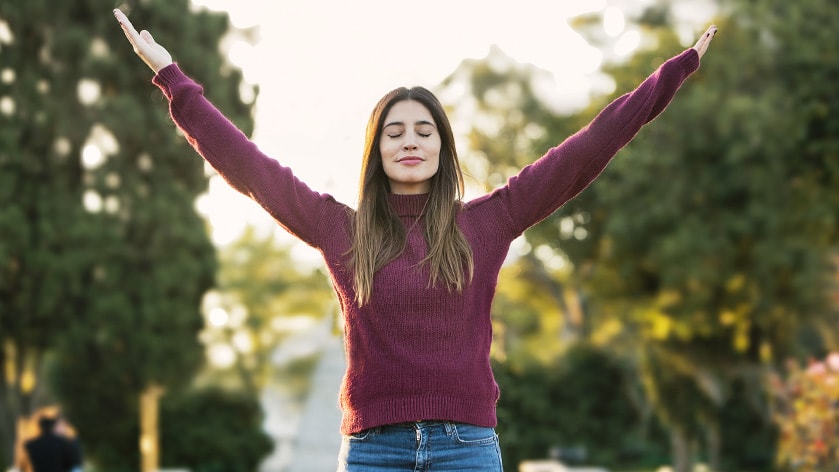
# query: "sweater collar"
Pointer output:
{"type": "Point", "coordinates": [408, 205]}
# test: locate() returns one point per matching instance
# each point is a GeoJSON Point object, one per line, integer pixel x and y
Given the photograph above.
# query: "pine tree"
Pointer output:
{"type": "Point", "coordinates": [103, 259]}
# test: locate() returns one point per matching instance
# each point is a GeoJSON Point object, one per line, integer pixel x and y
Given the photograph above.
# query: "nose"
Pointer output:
{"type": "Point", "coordinates": [410, 143]}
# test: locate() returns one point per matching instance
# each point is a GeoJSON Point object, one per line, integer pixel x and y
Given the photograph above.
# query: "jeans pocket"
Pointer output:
{"type": "Point", "coordinates": [361, 435]}
{"type": "Point", "coordinates": [471, 435]}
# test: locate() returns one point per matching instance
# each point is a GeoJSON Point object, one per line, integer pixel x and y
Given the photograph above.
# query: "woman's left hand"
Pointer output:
{"type": "Point", "coordinates": [705, 40]}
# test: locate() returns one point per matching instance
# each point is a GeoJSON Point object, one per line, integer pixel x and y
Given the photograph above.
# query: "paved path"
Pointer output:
{"type": "Point", "coordinates": [318, 439]}
{"type": "Point", "coordinates": [306, 437]}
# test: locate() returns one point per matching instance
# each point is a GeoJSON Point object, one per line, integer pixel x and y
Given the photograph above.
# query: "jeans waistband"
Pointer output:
{"type": "Point", "coordinates": [419, 424]}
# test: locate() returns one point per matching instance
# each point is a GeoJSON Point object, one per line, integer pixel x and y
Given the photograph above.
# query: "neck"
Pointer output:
{"type": "Point", "coordinates": [409, 205]}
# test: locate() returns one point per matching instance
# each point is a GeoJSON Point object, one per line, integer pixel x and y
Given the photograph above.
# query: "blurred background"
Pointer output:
{"type": "Point", "coordinates": [679, 314]}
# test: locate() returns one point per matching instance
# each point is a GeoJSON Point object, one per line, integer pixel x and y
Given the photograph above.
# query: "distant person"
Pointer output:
{"type": "Point", "coordinates": [49, 451]}
{"type": "Point", "coordinates": [414, 267]}
{"type": "Point", "coordinates": [66, 430]}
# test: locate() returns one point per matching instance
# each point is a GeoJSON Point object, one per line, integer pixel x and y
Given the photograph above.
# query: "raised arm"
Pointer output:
{"type": "Point", "coordinates": [229, 151]}
{"type": "Point", "coordinates": [565, 170]}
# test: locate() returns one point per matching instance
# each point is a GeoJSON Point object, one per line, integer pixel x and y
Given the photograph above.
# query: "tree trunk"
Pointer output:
{"type": "Point", "coordinates": [18, 400]}
{"type": "Point", "coordinates": [150, 428]}
{"type": "Point", "coordinates": [714, 447]}
{"type": "Point", "coordinates": [680, 449]}
{"type": "Point", "coordinates": [7, 426]}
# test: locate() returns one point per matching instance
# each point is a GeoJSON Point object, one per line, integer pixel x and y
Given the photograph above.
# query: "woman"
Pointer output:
{"type": "Point", "coordinates": [414, 267]}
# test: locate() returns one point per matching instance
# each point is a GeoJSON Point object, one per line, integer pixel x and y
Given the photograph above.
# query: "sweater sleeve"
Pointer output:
{"type": "Point", "coordinates": [565, 170]}
{"type": "Point", "coordinates": [239, 161]}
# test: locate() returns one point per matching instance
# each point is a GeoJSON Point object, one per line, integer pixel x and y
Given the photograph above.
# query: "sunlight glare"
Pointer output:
{"type": "Point", "coordinates": [227, 211]}
{"type": "Point", "coordinates": [111, 204]}
{"type": "Point", "coordinates": [238, 315]}
{"type": "Point", "coordinates": [113, 180]}
{"type": "Point", "coordinates": [241, 53]}
{"type": "Point", "coordinates": [627, 44]}
{"type": "Point", "coordinates": [92, 201]}
{"type": "Point", "coordinates": [242, 342]}
{"type": "Point", "coordinates": [62, 146]}
{"type": "Point", "coordinates": [244, 14]}
{"type": "Point", "coordinates": [145, 162]}
{"type": "Point", "coordinates": [614, 21]}
{"type": "Point", "coordinates": [7, 106]}
{"type": "Point", "coordinates": [88, 91]}
{"type": "Point", "coordinates": [8, 75]}
{"type": "Point", "coordinates": [92, 156]}
{"type": "Point", "coordinates": [99, 144]}
{"type": "Point", "coordinates": [221, 355]}
{"type": "Point", "coordinates": [5, 33]}
{"type": "Point", "coordinates": [217, 317]}
{"type": "Point", "coordinates": [99, 48]}
{"type": "Point", "coordinates": [551, 258]}
{"type": "Point", "coordinates": [566, 227]}
{"type": "Point", "coordinates": [297, 323]}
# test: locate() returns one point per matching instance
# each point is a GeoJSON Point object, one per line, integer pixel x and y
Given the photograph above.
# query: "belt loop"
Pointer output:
{"type": "Point", "coordinates": [449, 428]}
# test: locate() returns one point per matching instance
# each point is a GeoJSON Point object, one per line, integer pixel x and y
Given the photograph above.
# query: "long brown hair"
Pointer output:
{"type": "Point", "coordinates": [379, 234]}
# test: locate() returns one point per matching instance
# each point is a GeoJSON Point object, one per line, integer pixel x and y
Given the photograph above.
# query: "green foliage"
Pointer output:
{"type": "Point", "coordinates": [213, 431]}
{"type": "Point", "coordinates": [583, 402]}
{"type": "Point", "coordinates": [527, 315]}
{"type": "Point", "coordinates": [265, 292]}
{"type": "Point", "coordinates": [707, 241]}
{"type": "Point", "coordinates": [688, 406]}
{"type": "Point", "coordinates": [103, 260]}
{"type": "Point", "coordinates": [721, 215]}
{"type": "Point", "coordinates": [749, 436]}
{"type": "Point", "coordinates": [107, 419]}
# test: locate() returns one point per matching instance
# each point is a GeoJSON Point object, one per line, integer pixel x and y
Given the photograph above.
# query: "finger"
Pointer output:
{"type": "Point", "coordinates": [704, 40]}
{"type": "Point", "coordinates": [123, 20]}
{"type": "Point", "coordinates": [127, 27]}
{"type": "Point", "coordinates": [709, 34]}
{"type": "Point", "coordinates": [146, 36]}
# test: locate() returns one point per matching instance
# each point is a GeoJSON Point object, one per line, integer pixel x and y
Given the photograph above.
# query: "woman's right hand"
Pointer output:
{"type": "Point", "coordinates": [153, 54]}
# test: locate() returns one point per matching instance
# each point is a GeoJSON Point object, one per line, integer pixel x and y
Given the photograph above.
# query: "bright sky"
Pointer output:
{"type": "Point", "coordinates": [321, 67]}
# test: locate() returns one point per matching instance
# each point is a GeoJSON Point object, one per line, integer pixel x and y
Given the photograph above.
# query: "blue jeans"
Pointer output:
{"type": "Point", "coordinates": [425, 446]}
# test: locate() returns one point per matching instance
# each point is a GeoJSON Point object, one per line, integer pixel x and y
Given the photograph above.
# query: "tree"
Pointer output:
{"type": "Point", "coordinates": [707, 240]}
{"type": "Point", "coordinates": [103, 260]}
{"type": "Point", "coordinates": [548, 410]}
{"type": "Point", "coordinates": [261, 290]}
{"type": "Point", "coordinates": [231, 439]}
{"type": "Point", "coordinates": [741, 164]}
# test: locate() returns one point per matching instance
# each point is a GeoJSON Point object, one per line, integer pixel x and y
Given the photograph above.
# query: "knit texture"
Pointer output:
{"type": "Point", "coordinates": [418, 352]}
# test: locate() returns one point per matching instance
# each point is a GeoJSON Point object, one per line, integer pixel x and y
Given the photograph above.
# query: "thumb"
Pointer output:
{"type": "Point", "coordinates": [147, 37]}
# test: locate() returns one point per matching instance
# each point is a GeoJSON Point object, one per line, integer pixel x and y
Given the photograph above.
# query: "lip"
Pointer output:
{"type": "Point", "coordinates": [410, 160]}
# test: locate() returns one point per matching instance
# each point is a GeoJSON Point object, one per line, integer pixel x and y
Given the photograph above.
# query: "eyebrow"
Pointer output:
{"type": "Point", "coordinates": [399, 123]}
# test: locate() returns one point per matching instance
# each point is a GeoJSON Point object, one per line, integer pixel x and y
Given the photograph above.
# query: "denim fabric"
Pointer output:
{"type": "Point", "coordinates": [425, 446]}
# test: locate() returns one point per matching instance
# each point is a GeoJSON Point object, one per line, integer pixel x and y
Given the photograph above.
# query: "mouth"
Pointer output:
{"type": "Point", "coordinates": [409, 160]}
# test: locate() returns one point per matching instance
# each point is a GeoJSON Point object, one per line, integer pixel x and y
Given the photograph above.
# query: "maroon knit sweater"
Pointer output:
{"type": "Point", "coordinates": [415, 352]}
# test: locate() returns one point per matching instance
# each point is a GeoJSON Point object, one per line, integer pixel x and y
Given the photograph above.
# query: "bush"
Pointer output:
{"type": "Point", "coordinates": [808, 415]}
{"type": "Point", "coordinates": [581, 406]}
{"type": "Point", "coordinates": [213, 430]}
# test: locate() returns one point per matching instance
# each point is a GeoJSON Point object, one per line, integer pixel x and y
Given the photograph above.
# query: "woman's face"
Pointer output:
{"type": "Point", "coordinates": [410, 147]}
